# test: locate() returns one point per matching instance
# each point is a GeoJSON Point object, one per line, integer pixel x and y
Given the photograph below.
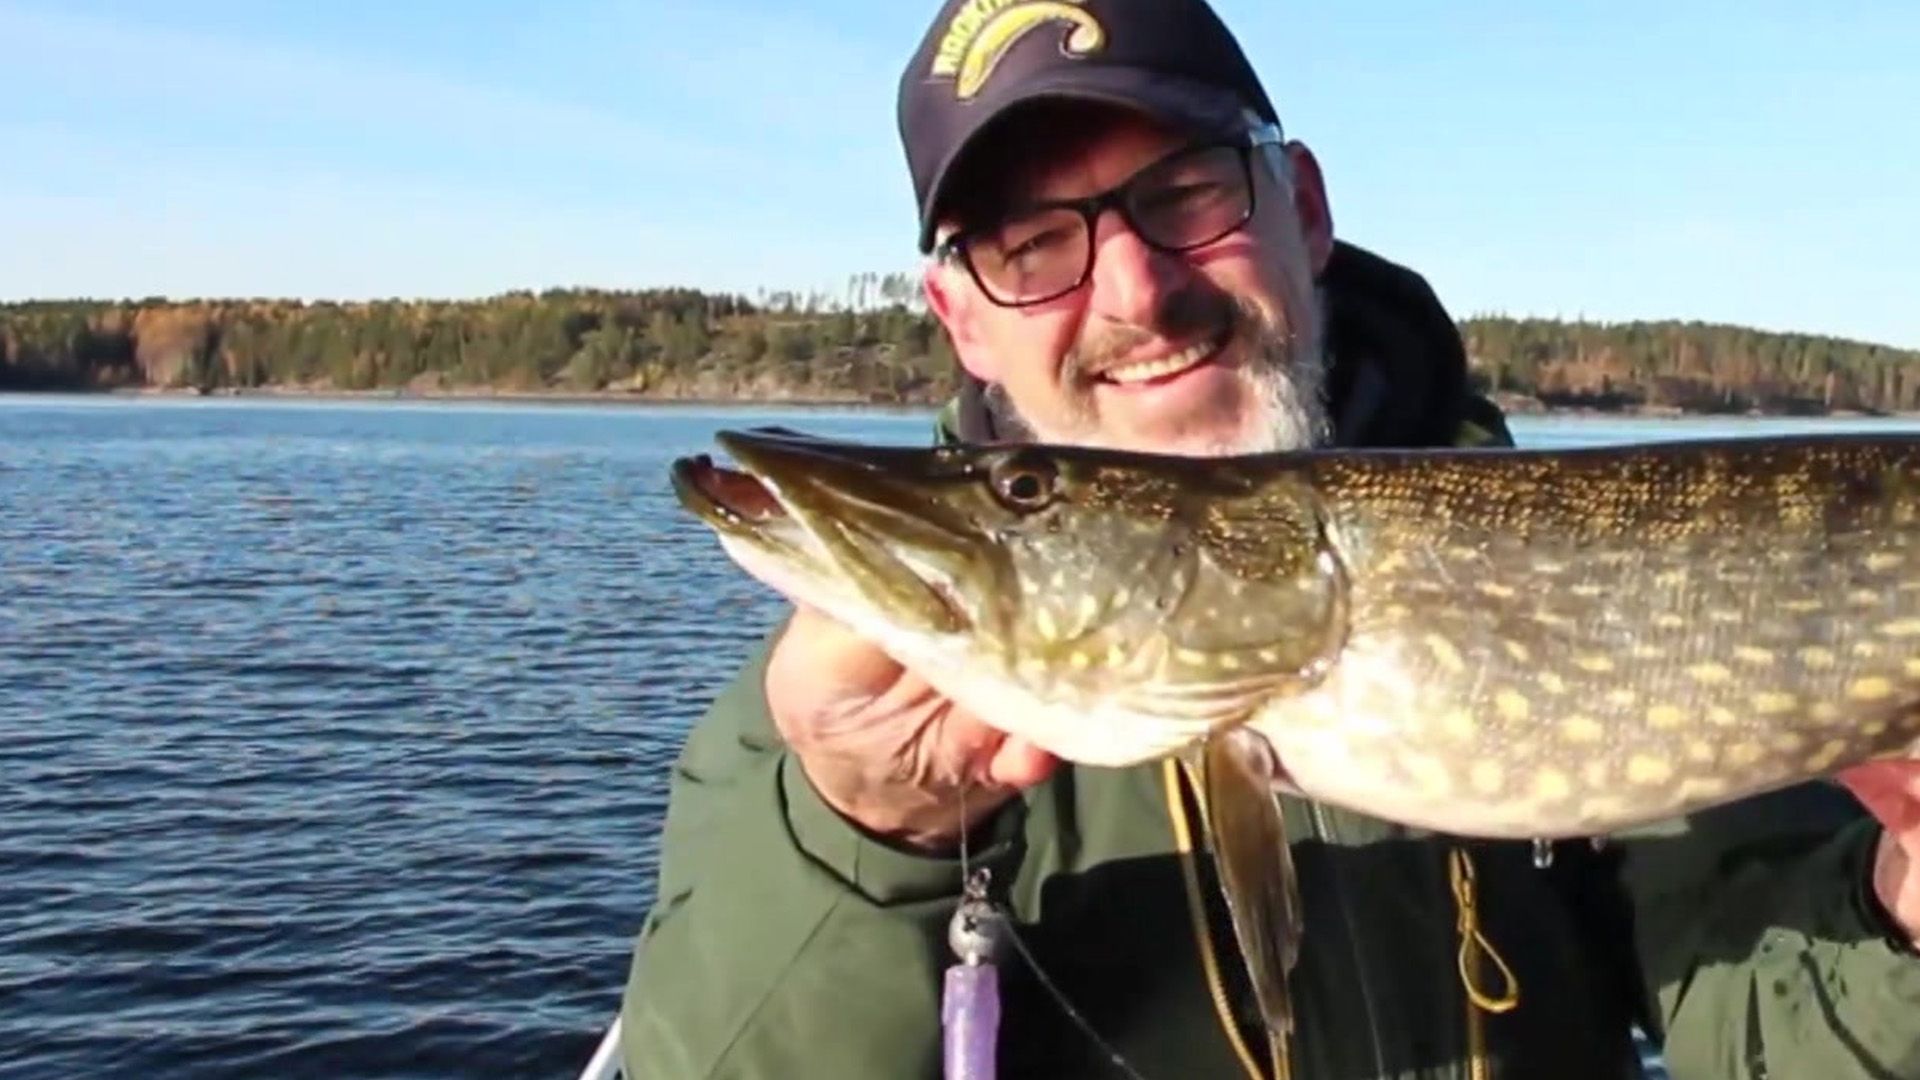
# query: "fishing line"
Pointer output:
{"type": "Point", "coordinates": [970, 999]}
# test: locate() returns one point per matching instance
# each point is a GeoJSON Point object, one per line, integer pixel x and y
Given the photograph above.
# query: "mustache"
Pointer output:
{"type": "Point", "coordinates": [1191, 313]}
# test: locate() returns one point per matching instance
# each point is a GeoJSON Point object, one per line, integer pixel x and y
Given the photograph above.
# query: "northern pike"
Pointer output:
{"type": "Point", "coordinates": [1508, 643]}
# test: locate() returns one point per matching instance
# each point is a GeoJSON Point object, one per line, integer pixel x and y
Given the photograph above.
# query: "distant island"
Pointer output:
{"type": "Point", "coordinates": [874, 345]}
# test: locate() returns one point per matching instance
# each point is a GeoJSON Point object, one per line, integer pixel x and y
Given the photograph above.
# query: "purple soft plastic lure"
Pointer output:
{"type": "Point", "coordinates": [970, 998]}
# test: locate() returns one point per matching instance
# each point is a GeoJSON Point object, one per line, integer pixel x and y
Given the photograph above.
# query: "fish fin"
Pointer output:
{"type": "Point", "coordinates": [1247, 834]}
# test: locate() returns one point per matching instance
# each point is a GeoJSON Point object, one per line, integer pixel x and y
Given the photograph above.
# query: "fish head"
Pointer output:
{"type": "Point", "coordinates": [1110, 606]}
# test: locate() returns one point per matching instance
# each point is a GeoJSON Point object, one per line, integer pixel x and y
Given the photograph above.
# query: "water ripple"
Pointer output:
{"type": "Point", "coordinates": [337, 738]}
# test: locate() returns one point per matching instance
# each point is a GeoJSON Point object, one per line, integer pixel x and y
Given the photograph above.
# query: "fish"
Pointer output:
{"type": "Point", "coordinates": [1514, 643]}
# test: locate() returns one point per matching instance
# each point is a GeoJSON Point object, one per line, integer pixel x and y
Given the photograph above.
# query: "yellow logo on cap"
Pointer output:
{"type": "Point", "coordinates": [982, 31]}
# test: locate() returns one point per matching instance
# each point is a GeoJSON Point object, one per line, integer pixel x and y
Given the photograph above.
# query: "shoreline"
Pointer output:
{"type": "Point", "coordinates": [1513, 406]}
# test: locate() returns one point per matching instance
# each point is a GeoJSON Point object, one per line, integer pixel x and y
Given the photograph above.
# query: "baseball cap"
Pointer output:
{"type": "Point", "coordinates": [1173, 60]}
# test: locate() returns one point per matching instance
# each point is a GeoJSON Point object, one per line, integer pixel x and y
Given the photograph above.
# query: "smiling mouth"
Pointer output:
{"type": "Point", "coordinates": [1169, 367]}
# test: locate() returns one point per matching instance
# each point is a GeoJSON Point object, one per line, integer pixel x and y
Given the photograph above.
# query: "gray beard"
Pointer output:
{"type": "Point", "coordinates": [1288, 372]}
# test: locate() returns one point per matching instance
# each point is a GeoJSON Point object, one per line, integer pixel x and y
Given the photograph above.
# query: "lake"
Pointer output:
{"type": "Point", "coordinates": [339, 732]}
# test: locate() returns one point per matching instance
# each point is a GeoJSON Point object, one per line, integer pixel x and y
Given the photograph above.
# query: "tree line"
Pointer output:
{"type": "Point", "coordinates": [874, 343]}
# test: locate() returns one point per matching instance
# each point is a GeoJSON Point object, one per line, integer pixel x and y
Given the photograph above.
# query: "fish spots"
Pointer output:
{"type": "Point", "coordinates": [1789, 742]}
{"type": "Point", "coordinates": [1871, 688]}
{"type": "Point", "coordinates": [1711, 674]}
{"type": "Point", "coordinates": [1046, 625]}
{"type": "Point", "coordinates": [1622, 698]}
{"type": "Point", "coordinates": [1818, 657]}
{"type": "Point", "coordinates": [1904, 628]}
{"type": "Point", "coordinates": [1865, 598]}
{"type": "Point", "coordinates": [1498, 590]}
{"type": "Point", "coordinates": [1459, 724]}
{"type": "Point", "coordinates": [1445, 654]}
{"type": "Point", "coordinates": [1754, 657]}
{"type": "Point", "coordinates": [1773, 703]}
{"type": "Point", "coordinates": [1553, 620]}
{"type": "Point", "coordinates": [1743, 755]}
{"type": "Point", "coordinates": [1647, 770]}
{"type": "Point", "coordinates": [1487, 777]}
{"type": "Point", "coordinates": [1825, 712]}
{"type": "Point", "coordinates": [1667, 620]}
{"type": "Point", "coordinates": [1701, 752]}
{"type": "Point", "coordinates": [1079, 661]}
{"type": "Point", "coordinates": [1881, 562]}
{"type": "Point", "coordinates": [1867, 650]}
{"type": "Point", "coordinates": [1512, 705]}
{"type": "Point", "coordinates": [1552, 785]}
{"type": "Point", "coordinates": [1090, 610]}
{"type": "Point", "coordinates": [1587, 591]}
{"type": "Point", "coordinates": [1912, 668]}
{"type": "Point", "coordinates": [1803, 606]}
{"type": "Point", "coordinates": [1552, 684]}
{"type": "Point", "coordinates": [1596, 663]}
{"type": "Point", "coordinates": [1666, 717]}
{"type": "Point", "coordinates": [1827, 756]}
{"type": "Point", "coordinates": [1721, 716]}
{"type": "Point", "coordinates": [1123, 597]}
{"type": "Point", "coordinates": [1583, 729]}
{"type": "Point", "coordinates": [1518, 651]}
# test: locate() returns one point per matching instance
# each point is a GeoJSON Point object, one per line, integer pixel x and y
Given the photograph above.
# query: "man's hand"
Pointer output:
{"type": "Point", "coordinates": [1890, 790]}
{"type": "Point", "coordinates": [881, 746]}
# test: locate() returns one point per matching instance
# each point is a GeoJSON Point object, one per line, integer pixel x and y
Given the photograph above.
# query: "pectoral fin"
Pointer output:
{"type": "Point", "coordinates": [1245, 831]}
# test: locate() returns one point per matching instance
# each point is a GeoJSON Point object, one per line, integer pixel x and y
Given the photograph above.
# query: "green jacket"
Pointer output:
{"type": "Point", "coordinates": [784, 943]}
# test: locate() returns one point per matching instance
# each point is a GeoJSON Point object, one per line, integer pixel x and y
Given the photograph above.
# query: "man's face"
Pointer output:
{"type": "Point", "coordinates": [1209, 351]}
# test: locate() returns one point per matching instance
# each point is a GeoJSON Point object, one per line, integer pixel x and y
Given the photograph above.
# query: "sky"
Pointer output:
{"type": "Point", "coordinates": [1745, 161]}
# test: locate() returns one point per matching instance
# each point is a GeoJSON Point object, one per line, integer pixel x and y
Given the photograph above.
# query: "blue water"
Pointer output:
{"type": "Point", "coordinates": [335, 736]}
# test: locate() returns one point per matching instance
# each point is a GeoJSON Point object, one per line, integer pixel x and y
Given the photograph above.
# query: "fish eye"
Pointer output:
{"type": "Point", "coordinates": [1023, 482]}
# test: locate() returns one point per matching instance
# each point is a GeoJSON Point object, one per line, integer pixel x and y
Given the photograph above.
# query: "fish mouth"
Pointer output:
{"type": "Point", "coordinates": [726, 499]}
{"type": "Point", "coordinates": [840, 524]}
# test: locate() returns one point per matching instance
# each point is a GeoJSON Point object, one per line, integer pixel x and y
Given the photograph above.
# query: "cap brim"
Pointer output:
{"type": "Point", "coordinates": [1170, 99]}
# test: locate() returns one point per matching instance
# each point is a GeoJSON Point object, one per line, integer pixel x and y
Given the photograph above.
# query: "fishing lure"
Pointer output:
{"type": "Point", "coordinates": [970, 996]}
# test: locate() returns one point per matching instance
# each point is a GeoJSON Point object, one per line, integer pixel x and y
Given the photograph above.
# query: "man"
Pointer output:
{"type": "Point", "coordinates": [1128, 252]}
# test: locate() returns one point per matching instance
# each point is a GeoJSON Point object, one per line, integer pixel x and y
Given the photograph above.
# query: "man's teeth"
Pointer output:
{"type": "Point", "coordinates": [1158, 369]}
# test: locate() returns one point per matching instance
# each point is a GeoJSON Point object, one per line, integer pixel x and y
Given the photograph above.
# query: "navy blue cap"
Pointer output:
{"type": "Point", "coordinates": [1173, 60]}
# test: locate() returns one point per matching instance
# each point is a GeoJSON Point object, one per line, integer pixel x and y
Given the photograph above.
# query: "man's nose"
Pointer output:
{"type": "Point", "coordinates": [1131, 280]}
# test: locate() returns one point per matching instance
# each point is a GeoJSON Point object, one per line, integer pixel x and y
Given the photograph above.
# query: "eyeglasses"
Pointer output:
{"type": "Point", "coordinates": [1044, 250]}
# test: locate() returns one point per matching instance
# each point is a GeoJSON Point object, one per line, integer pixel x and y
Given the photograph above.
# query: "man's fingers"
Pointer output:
{"type": "Point", "coordinates": [1890, 790]}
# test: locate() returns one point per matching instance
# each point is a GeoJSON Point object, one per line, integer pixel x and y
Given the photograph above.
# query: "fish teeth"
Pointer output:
{"type": "Point", "coordinates": [1156, 369]}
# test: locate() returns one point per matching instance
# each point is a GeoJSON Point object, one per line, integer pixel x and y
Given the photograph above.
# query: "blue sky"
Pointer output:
{"type": "Point", "coordinates": [1754, 162]}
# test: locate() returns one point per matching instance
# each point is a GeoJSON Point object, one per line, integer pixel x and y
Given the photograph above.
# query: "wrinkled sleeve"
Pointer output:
{"type": "Point", "coordinates": [1763, 951]}
{"type": "Point", "coordinates": [783, 942]}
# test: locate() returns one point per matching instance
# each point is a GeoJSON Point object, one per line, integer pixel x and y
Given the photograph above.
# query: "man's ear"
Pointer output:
{"type": "Point", "coordinates": [1311, 206]}
{"type": "Point", "coordinates": [953, 302]}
